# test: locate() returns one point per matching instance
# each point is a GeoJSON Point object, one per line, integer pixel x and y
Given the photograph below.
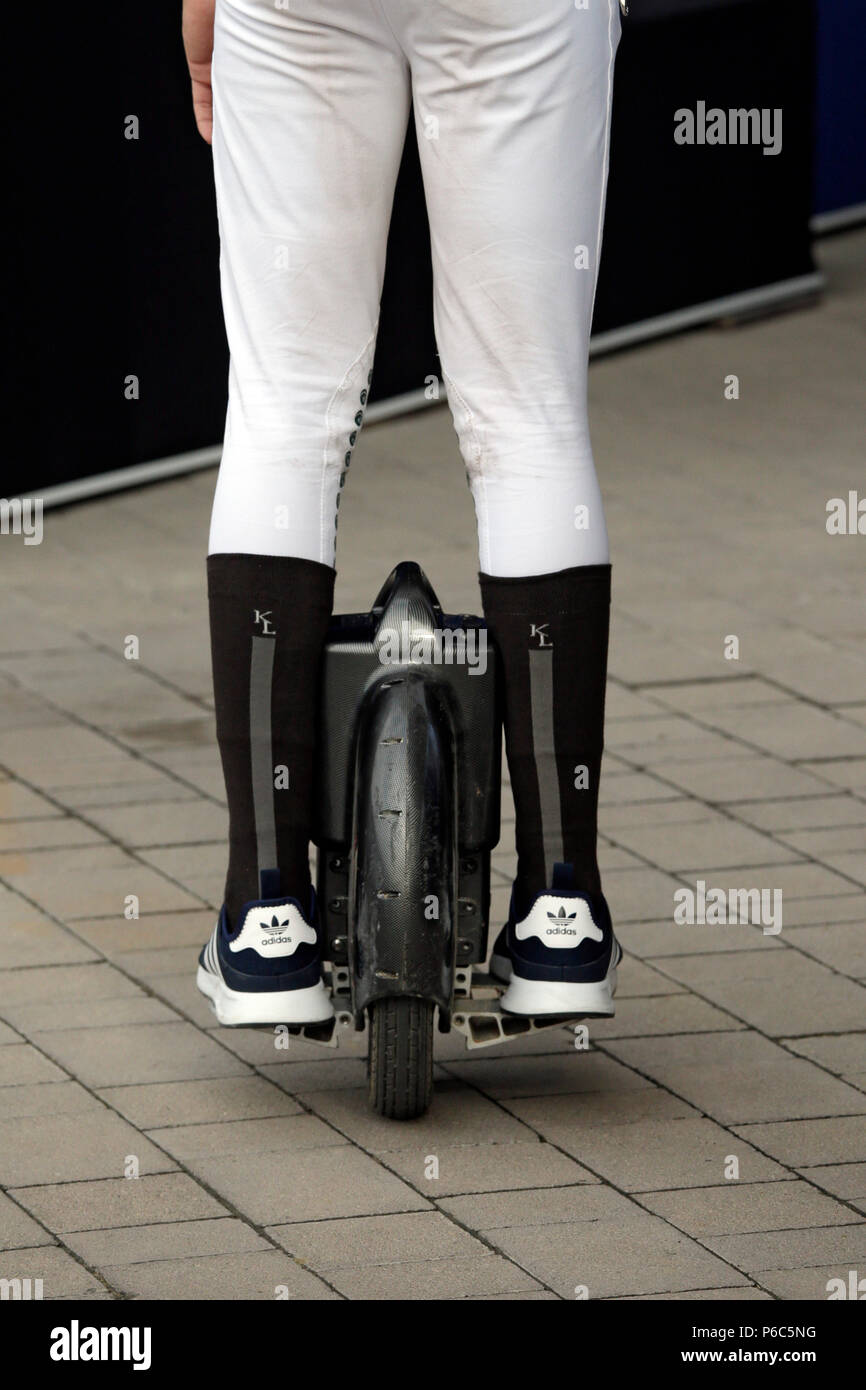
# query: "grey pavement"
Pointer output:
{"type": "Point", "coordinates": [710, 1142]}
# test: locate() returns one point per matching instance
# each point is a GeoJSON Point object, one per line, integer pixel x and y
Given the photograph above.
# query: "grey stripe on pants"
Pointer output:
{"type": "Point", "coordinates": [261, 750]}
{"type": "Point", "coordinates": [541, 714]}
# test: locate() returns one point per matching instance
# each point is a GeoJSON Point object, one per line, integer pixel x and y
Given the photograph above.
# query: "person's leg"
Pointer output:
{"type": "Point", "coordinates": [310, 110]}
{"type": "Point", "coordinates": [513, 115]}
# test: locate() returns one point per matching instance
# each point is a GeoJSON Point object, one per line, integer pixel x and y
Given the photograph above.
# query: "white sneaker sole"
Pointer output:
{"type": "Point", "coordinates": [236, 1008]}
{"type": "Point", "coordinates": [535, 998]}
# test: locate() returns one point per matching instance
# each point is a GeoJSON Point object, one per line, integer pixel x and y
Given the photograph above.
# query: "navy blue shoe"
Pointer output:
{"type": "Point", "coordinates": [269, 970]}
{"type": "Point", "coordinates": [561, 957]}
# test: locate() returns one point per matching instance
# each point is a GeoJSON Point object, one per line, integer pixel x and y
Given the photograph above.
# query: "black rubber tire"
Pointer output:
{"type": "Point", "coordinates": [401, 1057]}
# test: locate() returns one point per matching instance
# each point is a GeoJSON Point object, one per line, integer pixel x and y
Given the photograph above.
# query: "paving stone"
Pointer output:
{"type": "Point", "coordinates": [154, 931]}
{"type": "Point", "coordinates": [637, 980]}
{"type": "Point", "coordinates": [836, 907]}
{"type": "Point", "coordinates": [52, 984]}
{"type": "Point", "coordinates": [845, 1180]}
{"type": "Point", "coordinates": [99, 1013]}
{"type": "Point", "coordinates": [663, 740]}
{"type": "Point", "coordinates": [657, 1154]}
{"type": "Point", "coordinates": [199, 1102]}
{"type": "Point", "coordinates": [851, 864]}
{"type": "Point", "coordinates": [140, 1053]}
{"type": "Point", "coordinates": [802, 881]}
{"type": "Point", "coordinates": [627, 1252]}
{"type": "Point", "coordinates": [538, 1076]}
{"type": "Point", "coordinates": [263, 1048]}
{"type": "Point", "coordinates": [468, 1168]}
{"type": "Point", "coordinates": [631, 788]}
{"type": "Point", "coordinates": [748, 1207]}
{"type": "Point", "coordinates": [182, 994]}
{"type": "Point", "coordinates": [26, 836]}
{"type": "Point", "coordinates": [680, 810]}
{"type": "Point", "coordinates": [803, 1142]}
{"type": "Point", "coordinates": [104, 1203]}
{"type": "Point", "coordinates": [272, 1134]}
{"type": "Point", "coordinates": [809, 812]}
{"type": "Point", "coordinates": [672, 1013]}
{"type": "Point", "coordinates": [844, 1055]}
{"type": "Point", "coordinates": [655, 941]}
{"type": "Point", "coordinates": [151, 966]}
{"type": "Point", "coordinates": [793, 1249]}
{"type": "Point", "coordinates": [841, 772]}
{"type": "Point", "coordinates": [775, 992]}
{"type": "Point", "coordinates": [165, 1241]}
{"type": "Point", "coordinates": [841, 945]}
{"type": "Point", "coordinates": [22, 1065]}
{"type": "Point", "coordinates": [793, 730]}
{"type": "Point", "coordinates": [28, 938]}
{"type": "Point", "coordinates": [712, 845]}
{"type": "Point", "coordinates": [63, 1148]}
{"type": "Point", "coordinates": [433, 1279]}
{"type": "Point", "coordinates": [493, 1211]}
{"type": "Point", "coordinates": [737, 1077]}
{"type": "Point", "coordinates": [376, 1240]}
{"type": "Point", "coordinates": [61, 1275]}
{"type": "Point", "coordinates": [810, 1282]}
{"type": "Point", "coordinates": [18, 803]}
{"type": "Point", "coordinates": [640, 895]}
{"type": "Point", "coordinates": [51, 1098]}
{"type": "Point", "coordinates": [535, 1296]}
{"type": "Point", "coordinates": [828, 843]}
{"type": "Point", "coordinates": [156, 791]}
{"type": "Point", "coordinates": [728, 693]}
{"type": "Point", "coordinates": [337, 1074]}
{"type": "Point", "coordinates": [336, 1181]}
{"type": "Point", "coordinates": [177, 823]}
{"type": "Point", "coordinates": [754, 778]}
{"type": "Point", "coordinates": [17, 1229]}
{"type": "Point", "coordinates": [752, 1294]}
{"type": "Point", "coordinates": [457, 1116]}
{"type": "Point", "coordinates": [237, 1277]}
{"type": "Point", "coordinates": [560, 1119]}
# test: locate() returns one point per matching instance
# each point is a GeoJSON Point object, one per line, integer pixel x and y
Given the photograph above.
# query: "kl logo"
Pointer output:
{"type": "Point", "coordinates": [264, 619]}
{"type": "Point", "coordinates": [538, 630]}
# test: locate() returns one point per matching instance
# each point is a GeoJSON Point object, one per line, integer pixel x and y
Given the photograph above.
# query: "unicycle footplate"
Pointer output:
{"type": "Point", "coordinates": [475, 1012]}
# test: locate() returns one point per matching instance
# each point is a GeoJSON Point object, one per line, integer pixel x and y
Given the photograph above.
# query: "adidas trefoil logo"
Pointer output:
{"type": "Point", "coordinates": [276, 926]}
{"type": "Point", "coordinates": [561, 918]}
{"type": "Point", "coordinates": [274, 929]}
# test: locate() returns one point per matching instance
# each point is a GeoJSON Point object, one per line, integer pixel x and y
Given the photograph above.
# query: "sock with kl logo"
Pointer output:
{"type": "Point", "coordinates": [551, 632]}
{"type": "Point", "coordinates": [268, 621]}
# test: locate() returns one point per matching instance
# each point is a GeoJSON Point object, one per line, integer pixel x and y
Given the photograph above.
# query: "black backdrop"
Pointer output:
{"type": "Point", "coordinates": [113, 265]}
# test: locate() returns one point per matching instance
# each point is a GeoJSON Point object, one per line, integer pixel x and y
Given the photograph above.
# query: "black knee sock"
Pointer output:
{"type": "Point", "coordinates": [268, 620]}
{"type": "Point", "coordinates": [552, 633]}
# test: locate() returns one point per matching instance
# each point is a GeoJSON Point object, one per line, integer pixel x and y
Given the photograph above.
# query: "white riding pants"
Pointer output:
{"type": "Point", "coordinates": [511, 103]}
